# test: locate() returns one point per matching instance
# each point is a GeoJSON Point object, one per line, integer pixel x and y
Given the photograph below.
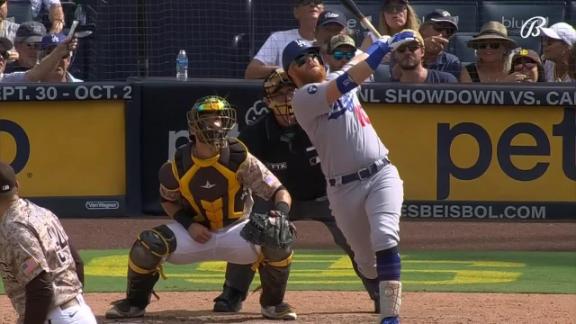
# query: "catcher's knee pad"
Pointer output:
{"type": "Point", "coordinates": [151, 249]}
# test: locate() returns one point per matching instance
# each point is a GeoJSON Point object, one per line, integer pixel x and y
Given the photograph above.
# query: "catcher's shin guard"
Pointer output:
{"type": "Point", "coordinates": [144, 267]}
{"type": "Point", "coordinates": [274, 272]}
{"type": "Point", "coordinates": [238, 280]}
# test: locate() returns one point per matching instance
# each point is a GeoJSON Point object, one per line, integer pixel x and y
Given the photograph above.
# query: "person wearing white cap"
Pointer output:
{"type": "Point", "coordinates": [557, 40]}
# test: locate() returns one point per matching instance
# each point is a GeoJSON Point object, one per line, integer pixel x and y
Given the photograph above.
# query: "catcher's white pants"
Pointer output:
{"type": "Point", "coordinates": [76, 314]}
{"type": "Point", "coordinates": [224, 245]}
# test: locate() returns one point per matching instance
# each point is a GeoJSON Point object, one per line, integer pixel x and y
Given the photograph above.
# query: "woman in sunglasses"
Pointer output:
{"type": "Point", "coordinates": [394, 16]}
{"type": "Point", "coordinates": [492, 46]}
{"type": "Point", "coordinates": [526, 66]}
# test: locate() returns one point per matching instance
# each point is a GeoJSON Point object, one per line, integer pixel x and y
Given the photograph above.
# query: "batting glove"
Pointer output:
{"type": "Point", "coordinates": [401, 38]}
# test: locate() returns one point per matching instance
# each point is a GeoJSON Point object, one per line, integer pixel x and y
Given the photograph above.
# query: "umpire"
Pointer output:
{"type": "Point", "coordinates": [283, 146]}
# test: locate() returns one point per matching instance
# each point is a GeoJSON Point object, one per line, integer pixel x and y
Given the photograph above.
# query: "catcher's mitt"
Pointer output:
{"type": "Point", "coordinates": [272, 230]}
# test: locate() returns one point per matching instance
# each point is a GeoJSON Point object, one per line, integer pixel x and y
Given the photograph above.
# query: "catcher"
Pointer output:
{"type": "Point", "coordinates": [207, 190]}
{"type": "Point", "coordinates": [278, 141]}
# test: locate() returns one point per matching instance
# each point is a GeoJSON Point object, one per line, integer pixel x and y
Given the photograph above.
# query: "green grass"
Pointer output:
{"type": "Point", "coordinates": [506, 272]}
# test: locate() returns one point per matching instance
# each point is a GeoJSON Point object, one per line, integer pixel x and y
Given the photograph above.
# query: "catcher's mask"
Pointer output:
{"type": "Point", "coordinates": [279, 90]}
{"type": "Point", "coordinates": [210, 120]}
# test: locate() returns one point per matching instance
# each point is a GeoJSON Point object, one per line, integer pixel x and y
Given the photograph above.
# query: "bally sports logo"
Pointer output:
{"type": "Point", "coordinates": [532, 27]}
{"type": "Point", "coordinates": [102, 204]}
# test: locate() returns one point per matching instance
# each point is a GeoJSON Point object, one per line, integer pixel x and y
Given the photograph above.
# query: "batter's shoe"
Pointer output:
{"type": "Point", "coordinates": [390, 320]}
{"type": "Point", "coordinates": [282, 311]}
{"type": "Point", "coordinates": [229, 301]}
{"type": "Point", "coordinates": [123, 309]}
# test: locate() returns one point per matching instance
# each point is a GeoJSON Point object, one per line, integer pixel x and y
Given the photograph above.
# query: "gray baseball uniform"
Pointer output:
{"type": "Point", "coordinates": [32, 240]}
{"type": "Point", "coordinates": [347, 143]}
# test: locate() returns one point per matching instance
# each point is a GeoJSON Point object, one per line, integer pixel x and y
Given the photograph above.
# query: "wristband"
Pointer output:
{"type": "Point", "coordinates": [184, 218]}
{"type": "Point", "coordinates": [345, 83]}
{"type": "Point", "coordinates": [376, 53]}
{"type": "Point", "coordinates": [283, 207]}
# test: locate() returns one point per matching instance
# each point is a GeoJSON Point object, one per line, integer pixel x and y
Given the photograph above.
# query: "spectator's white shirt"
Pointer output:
{"type": "Point", "coordinates": [550, 73]}
{"type": "Point", "coordinates": [8, 29]}
{"type": "Point", "coordinates": [271, 52]}
{"type": "Point", "coordinates": [36, 5]}
{"type": "Point", "coordinates": [13, 77]}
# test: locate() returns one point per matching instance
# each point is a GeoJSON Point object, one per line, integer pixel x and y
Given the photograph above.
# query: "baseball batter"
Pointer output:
{"type": "Point", "coordinates": [207, 190]}
{"type": "Point", "coordinates": [36, 262]}
{"type": "Point", "coordinates": [279, 142]}
{"type": "Point", "coordinates": [364, 190]}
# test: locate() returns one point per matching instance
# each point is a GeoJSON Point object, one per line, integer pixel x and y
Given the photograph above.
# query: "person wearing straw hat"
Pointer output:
{"type": "Point", "coordinates": [492, 46]}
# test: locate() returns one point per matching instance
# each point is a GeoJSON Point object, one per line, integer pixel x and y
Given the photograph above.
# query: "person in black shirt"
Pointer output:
{"type": "Point", "coordinates": [282, 145]}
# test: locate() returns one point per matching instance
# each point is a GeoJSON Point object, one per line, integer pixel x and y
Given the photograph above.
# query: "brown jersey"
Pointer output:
{"type": "Point", "coordinates": [218, 189]}
{"type": "Point", "coordinates": [32, 240]}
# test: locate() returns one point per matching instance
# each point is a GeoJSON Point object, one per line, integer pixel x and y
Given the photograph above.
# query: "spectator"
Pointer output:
{"type": "Point", "coordinates": [557, 40]}
{"type": "Point", "coordinates": [269, 57]}
{"type": "Point", "coordinates": [526, 66]}
{"type": "Point", "coordinates": [60, 74]}
{"type": "Point", "coordinates": [41, 70]}
{"type": "Point", "coordinates": [340, 50]}
{"type": "Point", "coordinates": [492, 46]}
{"type": "Point", "coordinates": [394, 16]}
{"type": "Point", "coordinates": [7, 27]}
{"type": "Point", "coordinates": [27, 43]}
{"type": "Point", "coordinates": [438, 27]}
{"type": "Point", "coordinates": [26, 10]}
{"type": "Point", "coordinates": [409, 62]}
{"type": "Point", "coordinates": [5, 46]}
{"type": "Point", "coordinates": [330, 23]}
{"type": "Point", "coordinates": [572, 65]}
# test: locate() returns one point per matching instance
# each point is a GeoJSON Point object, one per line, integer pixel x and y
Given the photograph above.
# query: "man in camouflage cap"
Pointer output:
{"type": "Point", "coordinates": [36, 262]}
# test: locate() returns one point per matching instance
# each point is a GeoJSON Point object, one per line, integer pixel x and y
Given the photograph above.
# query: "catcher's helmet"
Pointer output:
{"type": "Point", "coordinates": [210, 120]}
{"type": "Point", "coordinates": [279, 89]}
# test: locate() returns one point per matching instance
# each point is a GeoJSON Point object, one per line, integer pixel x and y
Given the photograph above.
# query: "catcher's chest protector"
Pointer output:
{"type": "Point", "coordinates": [211, 186]}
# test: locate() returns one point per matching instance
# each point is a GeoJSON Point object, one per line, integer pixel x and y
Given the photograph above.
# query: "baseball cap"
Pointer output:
{"type": "Point", "coordinates": [419, 38]}
{"type": "Point", "coordinates": [52, 40]}
{"type": "Point", "coordinates": [5, 46]}
{"type": "Point", "coordinates": [7, 179]}
{"type": "Point", "coordinates": [561, 31]}
{"type": "Point", "coordinates": [30, 32]}
{"type": "Point", "coordinates": [339, 40]}
{"type": "Point", "coordinates": [331, 17]}
{"type": "Point", "coordinates": [441, 15]}
{"type": "Point", "coordinates": [524, 52]}
{"type": "Point", "coordinates": [295, 49]}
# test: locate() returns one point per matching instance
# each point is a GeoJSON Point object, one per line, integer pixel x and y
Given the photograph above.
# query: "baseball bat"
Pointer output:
{"type": "Point", "coordinates": [353, 8]}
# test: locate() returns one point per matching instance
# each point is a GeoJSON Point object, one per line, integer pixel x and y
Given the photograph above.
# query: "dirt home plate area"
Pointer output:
{"type": "Point", "coordinates": [354, 307]}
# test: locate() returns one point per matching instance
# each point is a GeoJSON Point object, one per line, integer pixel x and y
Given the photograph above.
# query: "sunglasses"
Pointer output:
{"type": "Point", "coordinates": [529, 64]}
{"type": "Point", "coordinates": [394, 8]}
{"type": "Point", "coordinates": [488, 45]}
{"type": "Point", "coordinates": [448, 29]}
{"type": "Point", "coordinates": [340, 55]}
{"type": "Point", "coordinates": [302, 59]}
{"type": "Point", "coordinates": [412, 48]}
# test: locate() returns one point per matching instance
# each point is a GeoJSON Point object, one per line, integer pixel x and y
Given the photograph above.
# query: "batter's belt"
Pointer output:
{"type": "Point", "coordinates": [361, 174]}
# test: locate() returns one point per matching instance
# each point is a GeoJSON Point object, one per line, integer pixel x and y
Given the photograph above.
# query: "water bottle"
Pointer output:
{"type": "Point", "coordinates": [182, 66]}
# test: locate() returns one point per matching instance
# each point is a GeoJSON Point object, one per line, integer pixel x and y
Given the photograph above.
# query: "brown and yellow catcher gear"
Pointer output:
{"type": "Point", "coordinates": [210, 120]}
{"type": "Point", "coordinates": [279, 89]}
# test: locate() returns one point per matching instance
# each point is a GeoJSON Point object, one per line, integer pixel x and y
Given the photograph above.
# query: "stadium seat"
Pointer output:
{"type": "Point", "coordinates": [466, 10]}
{"type": "Point", "coordinates": [513, 14]}
{"type": "Point", "coordinates": [382, 73]}
{"type": "Point", "coordinates": [458, 47]}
